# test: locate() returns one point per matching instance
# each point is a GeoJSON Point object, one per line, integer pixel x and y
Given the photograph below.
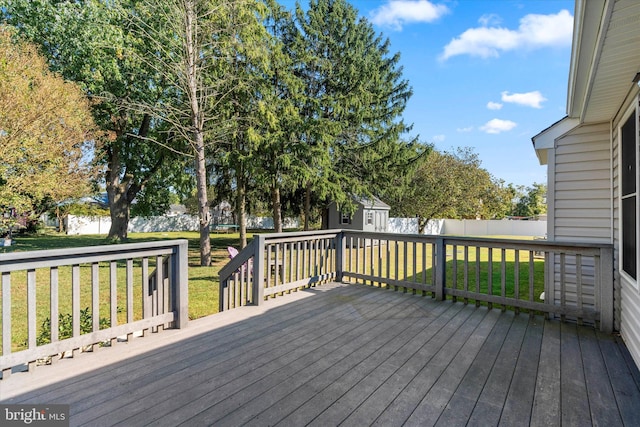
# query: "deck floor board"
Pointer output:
{"type": "Point", "coordinates": [348, 355]}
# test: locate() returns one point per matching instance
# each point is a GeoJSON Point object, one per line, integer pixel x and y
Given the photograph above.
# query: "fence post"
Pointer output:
{"type": "Point", "coordinates": [258, 269]}
{"type": "Point", "coordinates": [606, 290]}
{"type": "Point", "coordinates": [440, 268]}
{"type": "Point", "coordinates": [339, 240]}
{"type": "Point", "coordinates": [180, 284]}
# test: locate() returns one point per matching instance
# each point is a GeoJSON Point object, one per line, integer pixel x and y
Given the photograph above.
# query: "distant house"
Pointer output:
{"type": "Point", "coordinates": [592, 158]}
{"type": "Point", "coordinates": [372, 214]}
{"type": "Point", "coordinates": [176, 209]}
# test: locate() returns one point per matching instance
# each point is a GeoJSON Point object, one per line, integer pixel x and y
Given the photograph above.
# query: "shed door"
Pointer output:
{"type": "Point", "coordinates": [381, 221]}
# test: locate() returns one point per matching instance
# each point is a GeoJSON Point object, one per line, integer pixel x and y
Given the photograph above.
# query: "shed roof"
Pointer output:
{"type": "Point", "coordinates": [371, 202]}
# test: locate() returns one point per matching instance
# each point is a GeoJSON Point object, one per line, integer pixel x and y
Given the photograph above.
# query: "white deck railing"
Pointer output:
{"type": "Point", "coordinates": [143, 284]}
{"type": "Point", "coordinates": [564, 279]}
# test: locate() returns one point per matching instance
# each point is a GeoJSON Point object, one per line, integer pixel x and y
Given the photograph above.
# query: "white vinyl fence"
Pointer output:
{"type": "Point", "coordinates": [468, 227]}
{"type": "Point", "coordinates": [101, 225]}
{"type": "Point", "coordinates": [452, 227]}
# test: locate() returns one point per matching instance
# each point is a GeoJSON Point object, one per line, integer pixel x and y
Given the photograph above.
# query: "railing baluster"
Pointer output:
{"type": "Point", "coordinates": [440, 267]}
{"type": "Point", "coordinates": [129, 293]}
{"type": "Point", "coordinates": [268, 264]}
{"type": "Point", "coordinates": [397, 266]}
{"type": "Point", "coordinates": [31, 307]}
{"type": "Point", "coordinates": [290, 256]}
{"type": "Point", "coordinates": [531, 281]}
{"type": "Point", "coordinates": [95, 296]}
{"type": "Point", "coordinates": [503, 276]}
{"type": "Point", "coordinates": [563, 287]}
{"type": "Point", "coordinates": [434, 275]}
{"type": "Point", "coordinates": [75, 295]}
{"type": "Point", "coordinates": [423, 270]}
{"type": "Point", "coordinates": [75, 303]}
{"type": "Point", "coordinates": [579, 285]}
{"type": "Point", "coordinates": [53, 303]}
{"type": "Point", "coordinates": [466, 273]}
{"type": "Point", "coordinates": [387, 263]}
{"type": "Point", "coordinates": [159, 286]}
{"type": "Point", "coordinates": [146, 297]}
{"type": "Point", "coordinates": [454, 278]}
{"type": "Point", "coordinates": [490, 276]}
{"type": "Point", "coordinates": [371, 264]}
{"type": "Point", "coordinates": [405, 256]}
{"type": "Point", "coordinates": [415, 264]}
{"type": "Point", "coordinates": [113, 292]}
{"type": "Point", "coordinates": [478, 260]}
{"type": "Point", "coordinates": [6, 320]}
{"type": "Point", "coordinates": [129, 290]}
{"type": "Point", "coordinates": [516, 281]}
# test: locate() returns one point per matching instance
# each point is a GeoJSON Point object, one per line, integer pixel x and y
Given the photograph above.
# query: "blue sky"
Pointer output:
{"type": "Point", "coordinates": [485, 74]}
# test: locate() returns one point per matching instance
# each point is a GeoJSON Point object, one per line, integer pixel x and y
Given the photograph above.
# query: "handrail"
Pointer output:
{"type": "Point", "coordinates": [78, 272]}
{"type": "Point", "coordinates": [576, 279]}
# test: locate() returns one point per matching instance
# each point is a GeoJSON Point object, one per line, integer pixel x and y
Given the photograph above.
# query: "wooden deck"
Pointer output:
{"type": "Point", "coordinates": [349, 355]}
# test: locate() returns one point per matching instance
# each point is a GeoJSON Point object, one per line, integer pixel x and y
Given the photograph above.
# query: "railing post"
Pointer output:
{"type": "Point", "coordinates": [180, 285]}
{"type": "Point", "coordinates": [440, 268]}
{"type": "Point", "coordinates": [339, 240]}
{"type": "Point", "coordinates": [606, 290]}
{"type": "Point", "coordinates": [258, 269]}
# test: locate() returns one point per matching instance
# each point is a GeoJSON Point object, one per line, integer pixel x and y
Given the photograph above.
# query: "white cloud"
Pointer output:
{"type": "Point", "coordinates": [529, 99]}
{"type": "Point", "coordinates": [398, 12]}
{"type": "Point", "coordinates": [465, 130]}
{"type": "Point", "coordinates": [494, 105]}
{"type": "Point", "coordinates": [490, 19]}
{"type": "Point", "coordinates": [439, 138]}
{"type": "Point", "coordinates": [535, 31]}
{"type": "Point", "coordinates": [496, 126]}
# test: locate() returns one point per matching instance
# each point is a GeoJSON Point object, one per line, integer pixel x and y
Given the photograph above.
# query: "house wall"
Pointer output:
{"type": "Point", "coordinates": [626, 291]}
{"type": "Point", "coordinates": [579, 202]}
{"type": "Point", "coordinates": [581, 180]}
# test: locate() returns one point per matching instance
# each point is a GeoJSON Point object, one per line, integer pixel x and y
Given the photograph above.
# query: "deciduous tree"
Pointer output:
{"type": "Point", "coordinates": [450, 185]}
{"type": "Point", "coordinates": [88, 42]}
{"type": "Point", "coordinates": [46, 131]}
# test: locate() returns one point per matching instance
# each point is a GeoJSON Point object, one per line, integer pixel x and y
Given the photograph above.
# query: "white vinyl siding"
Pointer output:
{"type": "Point", "coordinates": [626, 295]}
{"type": "Point", "coordinates": [579, 202]}
{"type": "Point", "coordinates": [582, 185]}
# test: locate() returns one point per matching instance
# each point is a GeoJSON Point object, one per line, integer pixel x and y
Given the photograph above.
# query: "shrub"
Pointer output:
{"type": "Point", "coordinates": [65, 326]}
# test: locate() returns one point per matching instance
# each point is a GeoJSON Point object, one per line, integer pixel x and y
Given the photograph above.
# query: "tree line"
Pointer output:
{"type": "Point", "coordinates": [211, 100]}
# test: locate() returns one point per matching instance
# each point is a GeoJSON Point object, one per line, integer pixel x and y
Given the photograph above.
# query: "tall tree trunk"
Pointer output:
{"type": "Point", "coordinates": [119, 211]}
{"type": "Point", "coordinates": [307, 206]}
{"type": "Point", "coordinates": [204, 214]}
{"type": "Point", "coordinates": [422, 224]}
{"type": "Point", "coordinates": [197, 121]}
{"type": "Point", "coordinates": [277, 209]}
{"type": "Point", "coordinates": [241, 208]}
{"type": "Point", "coordinates": [116, 191]}
{"type": "Point", "coordinates": [122, 190]}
